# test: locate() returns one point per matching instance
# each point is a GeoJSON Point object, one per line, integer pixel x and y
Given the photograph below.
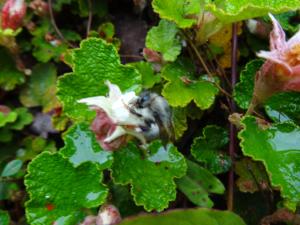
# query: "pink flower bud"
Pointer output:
{"type": "Point", "coordinates": [152, 56]}
{"type": "Point", "coordinates": [108, 215]}
{"type": "Point", "coordinates": [39, 7]}
{"type": "Point", "coordinates": [12, 14]}
{"type": "Point", "coordinates": [103, 127]}
{"type": "Point", "coordinates": [281, 71]}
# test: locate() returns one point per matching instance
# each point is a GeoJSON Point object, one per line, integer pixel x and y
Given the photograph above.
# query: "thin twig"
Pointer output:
{"type": "Point", "coordinates": [219, 71]}
{"type": "Point", "coordinates": [89, 24]}
{"type": "Point", "coordinates": [61, 36]}
{"type": "Point", "coordinates": [132, 56]}
{"type": "Point", "coordinates": [232, 143]}
{"type": "Point", "coordinates": [198, 55]}
{"type": "Point", "coordinates": [205, 66]}
{"type": "Point", "coordinates": [222, 72]}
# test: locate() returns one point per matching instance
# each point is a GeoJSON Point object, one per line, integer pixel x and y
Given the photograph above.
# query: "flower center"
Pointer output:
{"type": "Point", "coordinates": [293, 56]}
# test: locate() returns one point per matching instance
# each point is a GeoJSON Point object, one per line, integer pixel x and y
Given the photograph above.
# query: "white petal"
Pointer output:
{"type": "Point", "coordinates": [94, 101]}
{"type": "Point", "coordinates": [129, 97]}
{"type": "Point", "coordinates": [272, 55]}
{"type": "Point", "coordinates": [119, 131]}
{"type": "Point", "coordinates": [99, 101]}
{"type": "Point", "coordinates": [114, 91]}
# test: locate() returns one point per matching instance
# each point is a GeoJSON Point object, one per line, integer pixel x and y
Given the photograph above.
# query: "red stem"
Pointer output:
{"type": "Point", "coordinates": [232, 143]}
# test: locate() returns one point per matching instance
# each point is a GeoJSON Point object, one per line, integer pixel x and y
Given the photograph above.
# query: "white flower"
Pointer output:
{"type": "Point", "coordinates": [114, 119]}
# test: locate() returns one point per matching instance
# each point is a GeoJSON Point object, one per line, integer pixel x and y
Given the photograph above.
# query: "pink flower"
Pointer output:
{"type": "Point", "coordinates": [283, 59]}
{"type": "Point", "coordinates": [114, 122]}
{"type": "Point", "coordinates": [281, 70]}
{"type": "Point", "coordinates": [12, 14]}
{"type": "Point", "coordinates": [107, 215]}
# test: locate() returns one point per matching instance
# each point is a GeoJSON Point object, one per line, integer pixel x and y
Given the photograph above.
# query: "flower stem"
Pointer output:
{"type": "Point", "coordinates": [89, 24]}
{"type": "Point", "coordinates": [201, 60]}
{"type": "Point", "coordinates": [52, 19]}
{"type": "Point", "coordinates": [232, 143]}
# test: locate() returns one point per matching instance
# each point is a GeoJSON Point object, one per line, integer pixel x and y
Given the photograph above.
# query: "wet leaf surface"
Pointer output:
{"type": "Point", "coordinates": [284, 107]}
{"type": "Point", "coordinates": [244, 89]}
{"type": "Point", "coordinates": [237, 10]}
{"type": "Point", "coordinates": [181, 76]}
{"type": "Point", "coordinates": [187, 217]}
{"type": "Point", "coordinates": [277, 147]}
{"type": "Point", "coordinates": [198, 183]}
{"type": "Point", "coordinates": [207, 149]}
{"type": "Point", "coordinates": [58, 191]}
{"type": "Point", "coordinates": [151, 173]}
{"type": "Point", "coordinates": [81, 146]}
{"type": "Point", "coordinates": [12, 168]}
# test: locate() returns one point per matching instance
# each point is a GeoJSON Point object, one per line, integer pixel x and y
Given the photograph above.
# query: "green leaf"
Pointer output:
{"type": "Point", "coordinates": [179, 119]}
{"type": "Point", "coordinates": [206, 149]}
{"type": "Point", "coordinates": [70, 35]}
{"type": "Point", "coordinates": [187, 217]}
{"type": "Point", "coordinates": [7, 118]}
{"type": "Point", "coordinates": [182, 12]}
{"type": "Point", "coordinates": [5, 134]}
{"type": "Point", "coordinates": [236, 10]}
{"type": "Point", "coordinates": [41, 88]}
{"type": "Point", "coordinates": [94, 63]}
{"type": "Point", "coordinates": [106, 31]}
{"type": "Point", "coordinates": [12, 168]}
{"type": "Point", "coordinates": [7, 190]}
{"type": "Point", "coordinates": [24, 118]}
{"type": "Point", "coordinates": [277, 146]}
{"type": "Point", "coordinates": [58, 191]}
{"type": "Point", "coordinates": [284, 106]}
{"type": "Point", "coordinates": [243, 90]}
{"type": "Point", "coordinates": [9, 75]}
{"type": "Point", "coordinates": [198, 183]}
{"type": "Point", "coordinates": [122, 199]}
{"type": "Point", "coordinates": [81, 146]}
{"type": "Point", "coordinates": [60, 122]}
{"type": "Point", "coordinates": [164, 39]}
{"type": "Point", "coordinates": [180, 76]}
{"type": "Point", "coordinates": [4, 217]}
{"type": "Point", "coordinates": [44, 50]}
{"type": "Point", "coordinates": [252, 176]}
{"type": "Point", "coordinates": [16, 119]}
{"type": "Point", "coordinates": [150, 173]}
{"type": "Point", "coordinates": [149, 78]}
